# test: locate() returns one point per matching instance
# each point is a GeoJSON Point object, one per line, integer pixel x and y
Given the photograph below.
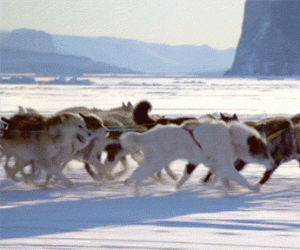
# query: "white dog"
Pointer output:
{"type": "Point", "coordinates": [213, 143]}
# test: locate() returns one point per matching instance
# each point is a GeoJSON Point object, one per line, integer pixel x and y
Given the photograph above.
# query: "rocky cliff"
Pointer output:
{"type": "Point", "coordinates": [270, 40]}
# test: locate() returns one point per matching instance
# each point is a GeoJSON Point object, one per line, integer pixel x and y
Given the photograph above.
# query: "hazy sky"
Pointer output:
{"type": "Point", "coordinates": [216, 23]}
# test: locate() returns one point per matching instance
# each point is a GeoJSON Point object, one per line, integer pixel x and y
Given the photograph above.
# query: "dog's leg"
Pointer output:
{"type": "Point", "coordinates": [66, 181]}
{"type": "Point", "coordinates": [33, 175]}
{"type": "Point", "coordinates": [89, 170]}
{"type": "Point", "coordinates": [124, 170]}
{"type": "Point", "coordinates": [266, 176]}
{"type": "Point", "coordinates": [133, 179]}
{"type": "Point", "coordinates": [298, 159]}
{"type": "Point", "coordinates": [239, 165]}
{"type": "Point", "coordinates": [142, 172]}
{"type": "Point", "coordinates": [189, 169]}
{"type": "Point", "coordinates": [231, 173]}
{"type": "Point", "coordinates": [46, 181]}
{"type": "Point", "coordinates": [10, 171]}
{"type": "Point", "coordinates": [171, 173]}
{"type": "Point", "coordinates": [99, 175]}
{"type": "Point", "coordinates": [54, 169]}
{"type": "Point", "coordinates": [207, 177]}
{"type": "Point", "coordinates": [96, 176]}
{"type": "Point", "coordinates": [225, 185]}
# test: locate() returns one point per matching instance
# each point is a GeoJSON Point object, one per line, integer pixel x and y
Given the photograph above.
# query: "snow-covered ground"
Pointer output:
{"type": "Point", "coordinates": [92, 215]}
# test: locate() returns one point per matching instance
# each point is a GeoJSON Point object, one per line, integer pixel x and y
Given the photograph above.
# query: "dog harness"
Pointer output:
{"type": "Point", "coordinates": [191, 132]}
{"type": "Point", "coordinates": [280, 132]}
{"type": "Point", "coordinates": [273, 136]}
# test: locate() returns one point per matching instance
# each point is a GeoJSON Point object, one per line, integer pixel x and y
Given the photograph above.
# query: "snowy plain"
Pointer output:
{"type": "Point", "coordinates": [92, 215]}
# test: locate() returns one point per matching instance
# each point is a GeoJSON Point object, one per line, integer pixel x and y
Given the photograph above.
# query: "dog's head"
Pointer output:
{"type": "Point", "coordinates": [68, 129]}
{"type": "Point", "coordinates": [228, 118]}
{"type": "Point", "coordinates": [95, 125]}
{"type": "Point", "coordinates": [249, 144]}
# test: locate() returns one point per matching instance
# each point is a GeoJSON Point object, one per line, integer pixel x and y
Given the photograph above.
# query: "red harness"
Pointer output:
{"type": "Point", "coordinates": [191, 132]}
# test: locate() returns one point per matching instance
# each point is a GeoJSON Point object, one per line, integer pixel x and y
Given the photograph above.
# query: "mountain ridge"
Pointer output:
{"type": "Point", "coordinates": [147, 57]}
{"type": "Point", "coordinates": [138, 56]}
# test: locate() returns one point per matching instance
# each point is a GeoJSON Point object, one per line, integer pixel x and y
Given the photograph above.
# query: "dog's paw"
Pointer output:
{"type": "Point", "coordinates": [174, 177]}
{"type": "Point", "coordinates": [256, 187]}
{"type": "Point", "coordinates": [127, 182]}
{"type": "Point", "coordinates": [68, 184]}
{"type": "Point", "coordinates": [109, 177]}
{"type": "Point", "coordinates": [178, 186]}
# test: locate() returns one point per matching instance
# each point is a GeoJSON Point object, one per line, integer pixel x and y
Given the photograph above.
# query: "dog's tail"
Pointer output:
{"type": "Point", "coordinates": [141, 114]}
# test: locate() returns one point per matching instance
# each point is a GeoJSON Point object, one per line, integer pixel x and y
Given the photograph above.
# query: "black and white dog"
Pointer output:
{"type": "Point", "coordinates": [283, 136]}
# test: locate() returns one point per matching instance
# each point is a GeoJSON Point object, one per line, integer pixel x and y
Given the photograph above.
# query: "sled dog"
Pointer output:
{"type": "Point", "coordinates": [283, 137]}
{"type": "Point", "coordinates": [213, 143]}
{"type": "Point", "coordinates": [117, 121]}
{"type": "Point", "coordinates": [141, 117]}
{"type": "Point", "coordinates": [49, 143]}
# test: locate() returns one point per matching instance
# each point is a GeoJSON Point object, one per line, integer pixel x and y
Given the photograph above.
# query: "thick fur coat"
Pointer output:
{"type": "Point", "coordinates": [213, 143]}
{"type": "Point", "coordinates": [48, 143]}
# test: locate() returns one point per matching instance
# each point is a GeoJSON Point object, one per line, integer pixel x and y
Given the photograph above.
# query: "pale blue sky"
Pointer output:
{"type": "Point", "coordinates": [216, 23]}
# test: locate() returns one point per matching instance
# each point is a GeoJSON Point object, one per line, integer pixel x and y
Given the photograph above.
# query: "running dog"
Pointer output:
{"type": "Point", "coordinates": [283, 137]}
{"type": "Point", "coordinates": [141, 117]}
{"type": "Point", "coordinates": [213, 143]}
{"type": "Point", "coordinates": [49, 143]}
{"type": "Point", "coordinates": [117, 120]}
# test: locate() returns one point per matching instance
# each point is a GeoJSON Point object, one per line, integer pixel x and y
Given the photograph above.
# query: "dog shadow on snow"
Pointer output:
{"type": "Point", "coordinates": [50, 216]}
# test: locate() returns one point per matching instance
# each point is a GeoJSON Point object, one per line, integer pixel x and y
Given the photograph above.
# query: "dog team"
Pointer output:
{"type": "Point", "coordinates": [224, 145]}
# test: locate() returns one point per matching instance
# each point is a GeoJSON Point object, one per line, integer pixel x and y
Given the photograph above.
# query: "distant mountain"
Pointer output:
{"type": "Point", "coordinates": [14, 60]}
{"type": "Point", "coordinates": [123, 53]}
{"type": "Point", "coordinates": [28, 39]}
{"type": "Point", "coordinates": [147, 57]}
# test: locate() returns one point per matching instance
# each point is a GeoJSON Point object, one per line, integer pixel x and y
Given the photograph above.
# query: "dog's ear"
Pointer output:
{"type": "Point", "coordinates": [222, 116]}
{"type": "Point", "coordinates": [21, 110]}
{"type": "Point", "coordinates": [83, 116]}
{"type": "Point", "coordinates": [235, 118]}
{"type": "Point", "coordinates": [130, 106]}
{"type": "Point", "coordinates": [92, 121]}
{"type": "Point", "coordinates": [32, 111]}
{"type": "Point", "coordinates": [64, 117]}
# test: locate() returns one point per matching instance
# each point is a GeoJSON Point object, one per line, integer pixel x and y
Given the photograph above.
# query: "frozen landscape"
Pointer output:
{"type": "Point", "coordinates": [91, 215]}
